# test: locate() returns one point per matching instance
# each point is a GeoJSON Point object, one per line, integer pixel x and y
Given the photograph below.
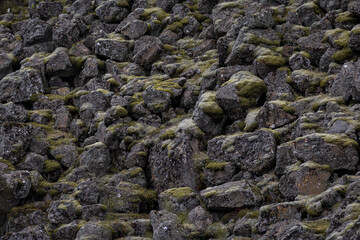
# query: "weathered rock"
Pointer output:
{"type": "Point", "coordinates": [11, 112]}
{"type": "Point", "coordinates": [6, 65]}
{"type": "Point", "coordinates": [216, 173]}
{"type": "Point", "coordinates": [134, 175]}
{"type": "Point", "coordinates": [231, 195]}
{"type": "Point", "coordinates": [33, 232]}
{"type": "Point", "coordinates": [66, 231]}
{"type": "Point", "coordinates": [96, 158]}
{"type": "Point", "coordinates": [166, 225]}
{"type": "Point", "coordinates": [253, 152]}
{"type": "Point", "coordinates": [274, 114]}
{"type": "Point", "coordinates": [156, 100]}
{"type": "Point", "coordinates": [147, 50]}
{"type": "Point", "coordinates": [277, 88]}
{"type": "Point", "coordinates": [58, 63]}
{"type": "Point", "coordinates": [112, 11]}
{"type": "Point", "coordinates": [326, 149]}
{"type": "Point", "coordinates": [241, 92]}
{"type": "Point", "coordinates": [67, 32]}
{"type": "Point", "coordinates": [47, 10]}
{"type": "Point", "coordinates": [19, 86]}
{"type": "Point", "coordinates": [87, 192]}
{"type": "Point", "coordinates": [135, 29]}
{"type": "Point", "coordinates": [32, 162]}
{"type": "Point", "coordinates": [200, 218]}
{"type": "Point", "coordinates": [178, 200]}
{"type": "Point", "coordinates": [64, 211]}
{"type": "Point", "coordinates": [113, 49]}
{"type": "Point", "coordinates": [65, 154]}
{"type": "Point", "coordinates": [307, 179]}
{"type": "Point", "coordinates": [36, 31]}
{"type": "Point", "coordinates": [93, 231]}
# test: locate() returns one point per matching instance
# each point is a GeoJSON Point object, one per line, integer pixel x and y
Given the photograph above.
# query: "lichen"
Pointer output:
{"type": "Point", "coordinates": [216, 166]}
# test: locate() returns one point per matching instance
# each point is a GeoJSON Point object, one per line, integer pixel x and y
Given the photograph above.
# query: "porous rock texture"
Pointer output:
{"type": "Point", "coordinates": [180, 119]}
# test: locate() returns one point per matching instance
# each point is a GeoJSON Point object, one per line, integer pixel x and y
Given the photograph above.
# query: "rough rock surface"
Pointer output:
{"type": "Point", "coordinates": [169, 119]}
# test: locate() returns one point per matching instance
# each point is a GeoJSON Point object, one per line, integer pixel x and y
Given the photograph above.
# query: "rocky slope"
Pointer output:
{"type": "Point", "coordinates": [170, 119]}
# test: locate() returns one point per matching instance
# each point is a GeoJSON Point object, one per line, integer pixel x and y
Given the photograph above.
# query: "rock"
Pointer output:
{"type": "Point", "coordinates": [128, 198]}
{"type": "Point", "coordinates": [307, 179]}
{"type": "Point", "coordinates": [134, 175]}
{"type": "Point", "coordinates": [231, 195]}
{"type": "Point", "coordinates": [65, 154]}
{"type": "Point", "coordinates": [87, 192]}
{"type": "Point", "coordinates": [14, 186]}
{"type": "Point", "coordinates": [33, 232]}
{"type": "Point", "coordinates": [166, 225]}
{"type": "Point", "coordinates": [216, 173]}
{"type": "Point", "coordinates": [242, 91]}
{"type": "Point", "coordinates": [274, 213]}
{"type": "Point", "coordinates": [173, 166]}
{"type": "Point", "coordinates": [206, 6]}
{"type": "Point", "coordinates": [11, 112]}
{"type": "Point", "coordinates": [134, 29]}
{"type": "Point", "coordinates": [178, 200]}
{"type": "Point", "coordinates": [19, 86]}
{"type": "Point", "coordinates": [47, 10]}
{"type": "Point", "coordinates": [58, 63]}
{"type": "Point", "coordinates": [62, 119]}
{"type": "Point", "coordinates": [66, 32]}
{"type": "Point", "coordinates": [243, 150]}
{"type": "Point", "coordinates": [15, 139]}
{"type": "Point", "coordinates": [277, 88]}
{"type": "Point", "coordinates": [275, 114]}
{"type": "Point", "coordinates": [329, 5]}
{"type": "Point", "coordinates": [96, 158]}
{"type": "Point", "coordinates": [111, 11]}
{"type": "Point", "coordinates": [200, 218]}
{"type": "Point", "coordinates": [6, 65]}
{"type": "Point", "coordinates": [32, 162]}
{"type": "Point", "coordinates": [113, 49]}
{"type": "Point", "coordinates": [66, 231]}
{"type": "Point", "coordinates": [93, 231]}
{"type": "Point", "coordinates": [307, 81]}
{"type": "Point", "coordinates": [147, 50]}
{"type": "Point", "coordinates": [327, 149]}
{"type": "Point", "coordinates": [166, 5]}
{"type": "Point", "coordinates": [35, 31]}
{"type": "Point", "coordinates": [299, 61]}
{"type": "Point", "coordinates": [208, 115]}
{"type": "Point", "coordinates": [354, 7]}
{"type": "Point", "coordinates": [313, 45]}
{"type": "Point", "coordinates": [29, 218]}
{"type": "Point", "coordinates": [308, 14]}
{"type": "Point", "coordinates": [63, 211]}
{"type": "Point", "coordinates": [156, 100]}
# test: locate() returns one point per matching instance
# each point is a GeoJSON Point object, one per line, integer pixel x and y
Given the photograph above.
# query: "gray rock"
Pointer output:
{"type": "Point", "coordinates": [178, 200]}
{"type": "Point", "coordinates": [134, 29]}
{"type": "Point", "coordinates": [63, 211]}
{"type": "Point", "coordinates": [308, 14]}
{"type": "Point", "coordinates": [111, 11]}
{"type": "Point", "coordinates": [156, 100]}
{"type": "Point", "coordinates": [200, 218]}
{"type": "Point", "coordinates": [96, 158]}
{"type": "Point", "coordinates": [35, 31]}
{"type": "Point", "coordinates": [32, 232]}
{"type": "Point", "coordinates": [275, 114]}
{"type": "Point", "coordinates": [11, 112]}
{"type": "Point", "coordinates": [166, 225]}
{"type": "Point", "coordinates": [58, 63]}
{"type": "Point", "coordinates": [329, 5]}
{"type": "Point", "coordinates": [65, 154]}
{"type": "Point", "coordinates": [167, 5]}
{"type": "Point", "coordinates": [243, 150]}
{"type": "Point", "coordinates": [87, 192]}
{"type": "Point", "coordinates": [206, 6]}
{"type": "Point", "coordinates": [67, 32]}
{"type": "Point", "coordinates": [32, 162]}
{"type": "Point", "coordinates": [231, 195]}
{"type": "Point", "coordinates": [19, 86]}
{"type": "Point", "coordinates": [113, 49]}
{"type": "Point", "coordinates": [92, 230]}
{"type": "Point", "coordinates": [327, 149]}
{"type": "Point", "coordinates": [66, 231]}
{"type": "Point", "coordinates": [298, 61]}
{"type": "Point", "coordinates": [147, 50]}
{"type": "Point", "coordinates": [6, 65]}
{"type": "Point", "coordinates": [47, 10]}
{"type": "Point", "coordinates": [62, 119]}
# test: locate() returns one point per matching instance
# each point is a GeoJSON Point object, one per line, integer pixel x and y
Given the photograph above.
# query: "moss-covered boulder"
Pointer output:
{"type": "Point", "coordinates": [178, 200]}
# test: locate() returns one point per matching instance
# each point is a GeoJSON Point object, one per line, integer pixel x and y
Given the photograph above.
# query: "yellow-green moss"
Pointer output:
{"type": "Point", "coordinates": [345, 17]}
{"type": "Point", "coordinates": [356, 30]}
{"type": "Point", "coordinates": [319, 226]}
{"type": "Point", "coordinates": [216, 166]}
{"type": "Point", "coordinates": [342, 55]}
{"type": "Point", "coordinates": [342, 40]}
{"type": "Point", "coordinates": [324, 100]}
{"type": "Point", "coordinates": [284, 105]}
{"type": "Point", "coordinates": [10, 166]}
{"type": "Point", "coordinates": [179, 193]}
{"type": "Point", "coordinates": [51, 166]}
{"type": "Point", "coordinates": [168, 134]}
{"type": "Point", "coordinates": [209, 105]}
{"type": "Point", "coordinates": [159, 13]}
{"type": "Point", "coordinates": [341, 140]}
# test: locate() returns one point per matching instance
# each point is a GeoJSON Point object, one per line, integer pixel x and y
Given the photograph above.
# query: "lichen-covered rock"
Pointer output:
{"type": "Point", "coordinates": [11, 112]}
{"type": "Point", "coordinates": [253, 152]}
{"type": "Point", "coordinates": [326, 149]}
{"type": "Point", "coordinates": [6, 65]}
{"type": "Point", "coordinates": [36, 31]}
{"type": "Point", "coordinates": [274, 114]}
{"type": "Point", "coordinates": [96, 158]}
{"type": "Point", "coordinates": [307, 179]}
{"type": "Point", "coordinates": [47, 10]}
{"type": "Point", "coordinates": [241, 92]}
{"type": "Point", "coordinates": [63, 211]}
{"type": "Point", "coordinates": [32, 162]}
{"type": "Point", "coordinates": [93, 231]}
{"type": "Point", "coordinates": [147, 50]}
{"type": "Point", "coordinates": [216, 173]}
{"type": "Point", "coordinates": [87, 192]}
{"type": "Point", "coordinates": [19, 86]}
{"type": "Point", "coordinates": [166, 225]}
{"type": "Point", "coordinates": [112, 11]}
{"type": "Point", "coordinates": [113, 49]}
{"type": "Point", "coordinates": [134, 29]}
{"type": "Point", "coordinates": [32, 232]}
{"type": "Point", "coordinates": [231, 195]}
{"type": "Point", "coordinates": [67, 32]}
{"type": "Point", "coordinates": [178, 200]}
{"type": "Point", "coordinates": [58, 63]}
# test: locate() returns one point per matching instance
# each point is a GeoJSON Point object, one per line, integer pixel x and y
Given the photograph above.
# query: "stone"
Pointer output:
{"type": "Point", "coordinates": [63, 211]}
{"type": "Point", "coordinates": [111, 11]}
{"type": "Point", "coordinates": [19, 86]}
{"type": "Point", "coordinates": [6, 65]}
{"type": "Point", "coordinates": [96, 158]}
{"type": "Point", "coordinates": [32, 162]}
{"type": "Point", "coordinates": [113, 49]}
{"type": "Point", "coordinates": [36, 31]}
{"type": "Point", "coordinates": [147, 50]}
{"type": "Point", "coordinates": [166, 225]}
{"type": "Point", "coordinates": [178, 200]}
{"type": "Point", "coordinates": [134, 29]}
{"type": "Point", "coordinates": [92, 230]}
{"type": "Point", "coordinates": [11, 112]}
{"type": "Point", "coordinates": [65, 154]}
{"type": "Point", "coordinates": [87, 192]}
{"type": "Point", "coordinates": [47, 10]}
{"type": "Point", "coordinates": [58, 63]}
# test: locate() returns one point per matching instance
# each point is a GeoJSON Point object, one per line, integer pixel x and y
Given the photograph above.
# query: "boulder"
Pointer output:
{"type": "Point", "coordinates": [147, 50]}
{"type": "Point", "coordinates": [178, 200]}
{"type": "Point", "coordinates": [47, 10]}
{"type": "Point", "coordinates": [113, 49]}
{"type": "Point", "coordinates": [96, 158]}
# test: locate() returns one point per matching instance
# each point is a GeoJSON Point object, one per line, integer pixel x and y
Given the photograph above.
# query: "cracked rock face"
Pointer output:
{"type": "Point", "coordinates": [192, 119]}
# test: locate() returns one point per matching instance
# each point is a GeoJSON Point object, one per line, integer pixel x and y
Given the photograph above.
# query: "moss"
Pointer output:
{"type": "Point", "coordinates": [10, 166]}
{"type": "Point", "coordinates": [174, 27]}
{"type": "Point", "coordinates": [159, 13]}
{"type": "Point", "coordinates": [272, 61]}
{"type": "Point", "coordinates": [324, 100]}
{"type": "Point", "coordinates": [44, 112]}
{"type": "Point", "coordinates": [216, 166]}
{"type": "Point", "coordinates": [77, 62]}
{"type": "Point", "coordinates": [249, 213]}
{"type": "Point", "coordinates": [168, 134]}
{"type": "Point", "coordinates": [257, 40]}
{"type": "Point", "coordinates": [311, 164]}
{"type": "Point", "coordinates": [345, 17]}
{"type": "Point", "coordinates": [209, 105]}
{"type": "Point", "coordinates": [51, 166]}
{"type": "Point", "coordinates": [227, 5]}
{"type": "Point", "coordinates": [319, 226]}
{"type": "Point", "coordinates": [120, 112]}
{"type": "Point", "coordinates": [217, 231]}
{"type": "Point", "coordinates": [180, 193]}
{"type": "Point", "coordinates": [342, 55]}
{"type": "Point", "coordinates": [356, 30]}
{"type": "Point", "coordinates": [342, 140]}
{"type": "Point", "coordinates": [210, 193]}
{"type": "Point", "coordinates": [332, 32]}
{"type": "Point", "coordinates": [343, 40]}
{"type": "Point", "coordinates": [284, 105]}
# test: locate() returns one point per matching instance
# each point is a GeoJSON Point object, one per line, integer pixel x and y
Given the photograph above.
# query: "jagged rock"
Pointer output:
{"type": "Point", "coordinates": [93, 231]}
{"type": "Point", "coordinates": [96, 158]}
{"type": "Point", "coordinates": [47, 10]}
{"type": "Point", "coordinates": [167, 5]}
{"type": "Point", "coordinates": [11, 112]}
{"type": "Point", "coordinates": [6, 65]}
{"type": "Point", "coordinates": [173, 166]}
{"type": "Point", "coordinates": [67, 32]}
{"type": "Point", "coordinates": [19, 86]}
{"type": "Point", "coordinates": [208, 115]}
{"type": "Point", "coordinates": [134, 175]}
{"type": "Point", "coordinates": [243, 150]}
{"type": "Point", "coordinates": [63, 211]}
{"type": "Point", "coordinates": [299, 61]}
{"type": "Point", "coordinates": [166, 225]}
{"type": "Point", "coordinates": [327, 149]}
{"type": "Point", "coordinates": [113, 49]}
{"type": "Point", "coordinates": [156, 100]}
{"type": "Point", "coordinates": [66, 231]}
{"type": "Point", "coordinates": [81, 7]}
{"type": "Point", "coordinates": [231, 195]}
{"type": "Point", "coordinates": [242, 91]}
{"type": "Point", "coordinates": [178, 200]}
{"type": "Point", "coordinates": [58, 63]}
{"type": "Point", "coordinates": [112, 11]}
{"type": "Point", "coordinates": [200, 219]}
{"type": "Point", "coordinates": [216, 173]}
{"type": "Point", "coordinates": [65, 154]}
{"type": "Point", "coordinates": [32, 162]}
{"type": "Point", "coordinates": [62, 119]}
{"type": "Point", "coordinates": [275, 114]}
{"type": "Point", "coordinates": [313, 45]}
{"type": "Point", "coordinates": [35, 31]}
{"type": "Point", "coordinates": [147, 50]}
{"type": "Point", "coordinates": [87, 192]}
{"type": "Point", "coordinates": [36, 232]}
{"type": "Point", "coordinates": [134, 29]}
{"type": "Point", "coordinates": [18, 222]}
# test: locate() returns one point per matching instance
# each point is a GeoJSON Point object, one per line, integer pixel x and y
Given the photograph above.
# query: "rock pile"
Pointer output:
{"type": "Point", "coordinates": [180, 119]}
